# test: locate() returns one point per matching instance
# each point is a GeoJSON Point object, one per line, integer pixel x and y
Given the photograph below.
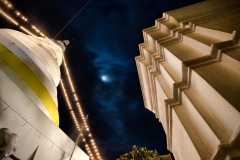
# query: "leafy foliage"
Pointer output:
{"type": "Point", "coordinates": [141, 153]}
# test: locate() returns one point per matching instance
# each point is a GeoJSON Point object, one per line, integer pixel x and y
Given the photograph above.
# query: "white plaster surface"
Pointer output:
{"type": "Point", "coordinates": [34, 128]}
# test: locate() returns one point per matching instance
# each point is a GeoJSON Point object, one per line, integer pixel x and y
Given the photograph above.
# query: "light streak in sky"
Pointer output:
{"type": "Point", "coordinates": [9, 5]}
{"type": "Point", "coordinates": [89, 151]}
{"type": "Point", "coordinates": [80, 111]}
{"type": "Point", "coordinates": [69, 77]}
{"type": "Point", "coordinates": [24, 18]}
{"type": "Point", "coordinates": [27, 31]}
{"type": "Point", "coordinates": [73, 115]}
{"type": "Point", "coordinates": [42, 34]}
{"type": "Point", "coordinates": [77, 103]}
{"type": "Point", "coordinates": [9, 18]}
{"type": "Point", "coordinates": [18, 14]}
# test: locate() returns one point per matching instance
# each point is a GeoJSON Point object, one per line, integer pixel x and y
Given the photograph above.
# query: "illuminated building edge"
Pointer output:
{"type": "Point", "coordinates": [29, 74]}
{"type": "Point", "coordinates": [189, 71]}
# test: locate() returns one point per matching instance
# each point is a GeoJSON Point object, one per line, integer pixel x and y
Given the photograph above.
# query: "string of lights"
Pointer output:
{"type": "Point", "coordinates": [27, 31]}
{"type": "Point", "coordinates": [5, 15]}
{"type": "Point", "coordinates": [9, 6]}
{"type": "Point", "coordinates": [80, 111]}
{"type": "Point", "coordinates": [81, 114]}
{"type": "Point", "coordinates": [92, 149]}
{"type": "Point", "coordinates": [73, 115]}
{"type": "Point", "coordinates": [9, 18]}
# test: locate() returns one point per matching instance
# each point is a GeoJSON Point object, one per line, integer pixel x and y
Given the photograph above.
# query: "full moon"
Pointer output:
{"type": "Point", "coordinates": [104, 78]}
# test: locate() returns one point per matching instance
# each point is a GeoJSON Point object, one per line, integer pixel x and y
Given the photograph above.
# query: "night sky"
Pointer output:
{"type": "Point", "coordinates": [102, 62]}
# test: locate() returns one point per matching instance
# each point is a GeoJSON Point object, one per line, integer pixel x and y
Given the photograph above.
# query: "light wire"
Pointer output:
{"type": "Point", "coordinates": [72, 19]}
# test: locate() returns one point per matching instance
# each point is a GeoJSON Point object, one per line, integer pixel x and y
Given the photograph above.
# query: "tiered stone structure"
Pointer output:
{"type": "Point", "coordinates": [29, 75]}
{"type": "Point", "coordinates": [189, 71]}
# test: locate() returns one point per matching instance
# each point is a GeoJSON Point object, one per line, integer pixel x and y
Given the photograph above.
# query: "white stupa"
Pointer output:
{"type": "Point", "coordinates": [29, 75]}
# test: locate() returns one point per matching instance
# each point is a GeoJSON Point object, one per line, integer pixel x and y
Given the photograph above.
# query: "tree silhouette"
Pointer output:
{"type": "Point", "coordinates": [142, 153]}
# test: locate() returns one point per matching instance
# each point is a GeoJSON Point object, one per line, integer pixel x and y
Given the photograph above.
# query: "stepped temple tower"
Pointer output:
{"type": "Point", "coordinates": [189, 71]}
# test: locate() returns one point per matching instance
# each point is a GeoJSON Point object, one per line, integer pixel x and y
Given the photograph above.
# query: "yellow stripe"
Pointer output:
{"type": "Point", "coordinates": [19, 67]}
